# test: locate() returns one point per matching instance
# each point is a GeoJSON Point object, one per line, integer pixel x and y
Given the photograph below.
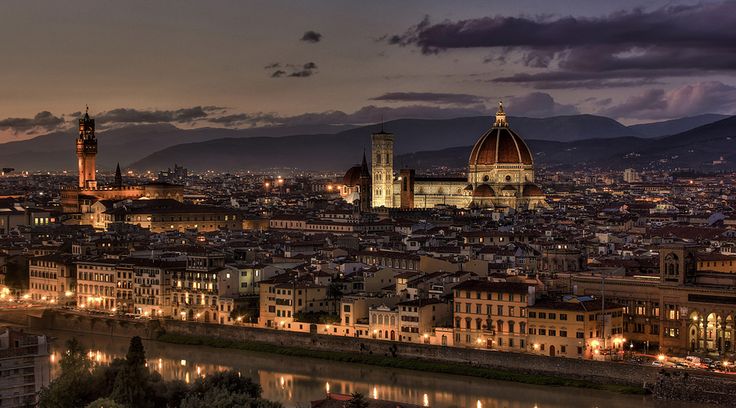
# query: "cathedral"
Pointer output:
{"type": "Point", "coordinates": [500, 175]}
{"type": "Point", "coordinates": [78, 200]}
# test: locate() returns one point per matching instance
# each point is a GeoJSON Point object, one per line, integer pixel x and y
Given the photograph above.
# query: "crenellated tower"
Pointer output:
{"type": "Point", "coordinates": [87, 152]}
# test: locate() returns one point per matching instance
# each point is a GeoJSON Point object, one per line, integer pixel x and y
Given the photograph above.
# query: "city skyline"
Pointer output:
{"type": "Point", "coordinates": [224, 64]}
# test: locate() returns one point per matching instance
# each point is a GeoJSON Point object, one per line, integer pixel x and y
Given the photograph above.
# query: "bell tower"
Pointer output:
{"type": "Point", "coordinates": [87, 152]}
{"type": "Point", "coordinates": [382, 167]}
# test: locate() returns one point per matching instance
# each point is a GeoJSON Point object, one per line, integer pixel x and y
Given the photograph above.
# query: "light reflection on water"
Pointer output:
{"type": "Point", "coordinates": [297, 381]}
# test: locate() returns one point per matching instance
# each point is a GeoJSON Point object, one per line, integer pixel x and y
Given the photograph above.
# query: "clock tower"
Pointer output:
{"type": "Point", "coordinates": [87, 152]}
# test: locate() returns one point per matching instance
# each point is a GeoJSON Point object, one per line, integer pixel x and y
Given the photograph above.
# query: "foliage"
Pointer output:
{"type": "Point", "coordinates": [357, 400]}
{"type": "Point", "coordinates": [71, 389]}
{"type": "Point", "coordinates": [131, 387]}
{"type": "Point", "coordinates": [104, 403]}
{"type": "Point", "coordinates": [127, 383]}
{"type": "Point", "coordinates": [316, 317]}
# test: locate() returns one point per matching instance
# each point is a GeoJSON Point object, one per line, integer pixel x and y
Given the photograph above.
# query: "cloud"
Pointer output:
{"type": "Point", "coordinates": [311, 37]}
{"type": "Point", "coordinates": [625, 44]}
{"type": "Point", "coordinates": [42, 121]}
{"type": "Point", "coordinates": [431, 97]}
{"type": "Point", "coordinates": [279, 70]}
{"type": "Point", "coordinates": [364, 115]}
{"type": "Point", "coordinates": [687, 100]}
{"type": "Point", "coordinates": [129, 115]}
{"type": "Point", "coordinates": [538, 104]}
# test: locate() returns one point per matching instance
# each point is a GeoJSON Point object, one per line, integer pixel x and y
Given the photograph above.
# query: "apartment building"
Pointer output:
{"type": "Point", "coordinates": [492, 314]}
{"type": "Point", "coordinates": [97, 285]}
{"type": "Point", "coordinates": [52, 278]}
{"type": "Point", "coordinates": [580, 327]}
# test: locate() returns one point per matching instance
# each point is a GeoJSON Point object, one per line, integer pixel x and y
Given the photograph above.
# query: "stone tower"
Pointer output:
{"type": "Point", "coordinates": [382, 170]}
{"type": "Point", "coordinates": [87, 152]}
{"type": "Point", "coordinates": [365, 186]}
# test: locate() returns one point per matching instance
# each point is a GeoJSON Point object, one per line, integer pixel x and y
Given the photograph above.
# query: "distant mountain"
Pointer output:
{"type": "Point", "coordinates": [555, 140]}
{"type": "Point", "coordinates": [696, 148]}
{"type": "Point", "coordinates": [674, 126]}
{"type": "Point", "coordinates": [56, 151]}
{"type": "Point", "coordinates": [335, 152]}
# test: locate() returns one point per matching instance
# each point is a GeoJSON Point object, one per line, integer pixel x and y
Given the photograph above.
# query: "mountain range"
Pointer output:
{"type": "Point", "coordinates": [419, 143]}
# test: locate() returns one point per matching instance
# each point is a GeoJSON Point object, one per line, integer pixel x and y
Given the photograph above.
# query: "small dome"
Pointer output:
{"type": "Point", "coordinates": [483, 191]}
{"type": "Point", "coordinates": [352, 177]}
{"type": "Point", "coordinates": [532, 190]}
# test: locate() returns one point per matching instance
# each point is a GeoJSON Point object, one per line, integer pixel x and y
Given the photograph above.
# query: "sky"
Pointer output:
{"type": "Point", "coordinates": [260, 63]}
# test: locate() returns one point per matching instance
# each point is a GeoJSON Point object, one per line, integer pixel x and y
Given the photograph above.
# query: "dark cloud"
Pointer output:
{"type": "Point", "coordinates": [311, 37]}
{"type": "Point", "coordinates": [42, 121]}
{"type": "Point", "coordinates": [431, 97]}
{"type": "Point", "coordinates": [290, 70]}
{"type": "Point", "coordinates": [538, 104]}
{"type": "Point", "coordinates": [128, 115]}
{"type": "Point", "coordinates": [366, 114]}
{"type": "Point", "coordinates": [687, 100]}
{"type": "Point", "coordinates": [627, 44]}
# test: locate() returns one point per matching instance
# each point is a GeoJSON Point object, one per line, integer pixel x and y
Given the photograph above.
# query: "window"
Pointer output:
{"type": "Point", "coordinates": [563, 316]}
{"type": "Point", "coordinates": [579, 335]}
{"type": "Point", "coordinates": [532, 314]}
{"type": "Point", "coordinates": [579, 318]}
{"type": "Point", "coordinates": [563, 333]}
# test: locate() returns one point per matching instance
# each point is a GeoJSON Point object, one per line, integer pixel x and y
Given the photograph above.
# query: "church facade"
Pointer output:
{"type": "Point", "coordinates": [500, 175]}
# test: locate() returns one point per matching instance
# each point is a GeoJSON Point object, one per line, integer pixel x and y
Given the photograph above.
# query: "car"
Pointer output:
{"type": "Point", "coordinates": [681, 366]}
{"type": "Point", "coordinates": [656, 364]}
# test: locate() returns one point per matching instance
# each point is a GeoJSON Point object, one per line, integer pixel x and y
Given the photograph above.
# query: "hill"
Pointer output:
{"type": "Point", "coordinates": [675, 126]}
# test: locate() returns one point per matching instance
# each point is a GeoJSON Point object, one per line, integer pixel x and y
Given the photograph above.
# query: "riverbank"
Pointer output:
{"type": "Point", "coordinates": [389, 361]}
{"type": "Point", "coordinates": [516, 367]}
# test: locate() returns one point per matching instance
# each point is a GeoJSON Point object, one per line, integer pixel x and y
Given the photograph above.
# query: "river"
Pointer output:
{"type": "Point", "coordinates": [297, 381]}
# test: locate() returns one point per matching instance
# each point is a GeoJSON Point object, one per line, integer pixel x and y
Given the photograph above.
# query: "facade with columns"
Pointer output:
{"type": "Point", "coordinates": [683, 310]}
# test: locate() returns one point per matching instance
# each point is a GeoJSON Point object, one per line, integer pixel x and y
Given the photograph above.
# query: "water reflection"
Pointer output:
{"type": "Point", "coordinates": [296, 381]}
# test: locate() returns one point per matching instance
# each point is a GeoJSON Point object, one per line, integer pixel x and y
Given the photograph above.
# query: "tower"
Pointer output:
{"type": "Point", "coordinates": [382, 168]}
{"type": "Point", "coordinates": [118, 177]}
{"type": "Point", "coordinates": [365, 186]}
{"type": "Point", "coordinates": [87, 152]}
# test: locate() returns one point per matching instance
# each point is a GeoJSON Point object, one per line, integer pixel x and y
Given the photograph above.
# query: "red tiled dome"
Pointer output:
{"type": "Point", "coordinates": [532, 190]}
{"type": "Point", "coordinates": [352, 177]}
{"type": "Point", "coordinates": [500, 145]}
{"type": "Point", "coordinates": [483, 191]}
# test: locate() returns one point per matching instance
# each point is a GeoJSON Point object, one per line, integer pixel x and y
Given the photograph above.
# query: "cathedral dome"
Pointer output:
{"type": "Point", "coordinates": [483, 191]}
{"type": "Point", "coordinates": [532, 190]}
{"type": "Point", "coordinates": [500, 145]}
{"type": "Point", "coordinates": [352, 177]}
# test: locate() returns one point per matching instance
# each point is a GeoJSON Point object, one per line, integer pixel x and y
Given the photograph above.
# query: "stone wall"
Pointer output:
{"type": "Point", "coordinates": [665, 384]}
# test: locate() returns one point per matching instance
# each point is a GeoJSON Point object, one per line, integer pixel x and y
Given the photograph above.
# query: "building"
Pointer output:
{"type": "Point", "coordinates": [52, 278]}
{"type": "Point", "coordinates": [681, 310]}
{"type": "Point", "coordinates": [195, 289]}
{"type": "Point", "coordinates": [79, 199]}
{"type": "Point", "coordinates": [97, 285]}
{"type": "Point", "coordinates": [25, 368]}
{"type": "Point", "coordinates": [631, 176]}
{"type": "Point", "coordinates": [578, 327]}
{"type": "Point", "coordinates": [419, 317]}
{"type": "Point", "coordinates": [492, 315]}
{"type": "Point", "coordinates": [356, 186]}
{"type": "Point", "coordinates": [500, 175]}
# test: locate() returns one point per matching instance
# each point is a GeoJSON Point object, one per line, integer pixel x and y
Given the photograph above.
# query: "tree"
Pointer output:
{"type": "Point", "coordinates": [357, 400]}
{"type": "Point", "coordinates": [334, 293]}
{"type": "Point", "coordinates": [132, 382]}
{"type": "Point", "coordinates": [104, 403]}
{"type": "Point", "coordinates": [72, 388]}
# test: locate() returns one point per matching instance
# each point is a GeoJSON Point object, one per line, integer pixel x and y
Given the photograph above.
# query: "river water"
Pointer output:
{"type": "Point", "coordinates": [297, 381]}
